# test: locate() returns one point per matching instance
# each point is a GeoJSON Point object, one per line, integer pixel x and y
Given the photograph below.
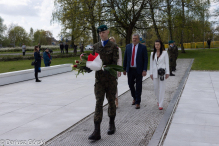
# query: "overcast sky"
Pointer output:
{"type": "Point", "coordinates": [29, 13]}
{"type": "Point", "coordinates": [36, 14]}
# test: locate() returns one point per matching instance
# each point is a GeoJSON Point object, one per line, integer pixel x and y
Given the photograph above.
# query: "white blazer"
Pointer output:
{"type": "Point", "coordinates": [162, 62]}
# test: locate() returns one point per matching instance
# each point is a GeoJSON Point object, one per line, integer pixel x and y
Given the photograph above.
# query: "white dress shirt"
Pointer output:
{"type": "Point", "coordinates": [136, 50]}
{"type": "Point", "coordinates": [102, 43]}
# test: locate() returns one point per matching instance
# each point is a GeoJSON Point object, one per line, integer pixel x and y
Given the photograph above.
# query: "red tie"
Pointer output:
{"type": "Point", "coordinates": [133, 56]}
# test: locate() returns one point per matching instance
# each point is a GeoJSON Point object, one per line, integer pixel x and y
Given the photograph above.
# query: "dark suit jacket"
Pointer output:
{"type": "Point", "coordinates": [66, 46]}
{"type": "Point", "coordinates": [141, 58]}
{"type": "Point", "coordinates": [61, 46]}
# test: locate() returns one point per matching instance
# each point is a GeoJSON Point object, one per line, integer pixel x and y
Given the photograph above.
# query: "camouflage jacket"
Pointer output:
{"type": "Point", "coordinates": [171, 52]}
{"type": "Point", "coordinates": [109, 55]}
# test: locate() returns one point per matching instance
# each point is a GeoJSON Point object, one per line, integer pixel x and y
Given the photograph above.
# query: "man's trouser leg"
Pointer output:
{"type": "Point", "coordinates": [111, 90]}
{"type": "Point", "coordinates": [175, 63]}
{"type": "Point", "coordinates": [138, 91]}
{"type": "Point", "coordinates": [99, 91]}
{"type": "Point", "coordinates": [131, 82]}
{"type": "Point", "coordinates": [171, 65]}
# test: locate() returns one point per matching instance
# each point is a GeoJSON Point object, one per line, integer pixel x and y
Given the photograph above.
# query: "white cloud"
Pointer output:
{"type": "Point", "coordinates": [14, 2]}
{"type": "Point", "coordinates": [46, 10]}
{"type": "Point", "coordinates": [29, 13]}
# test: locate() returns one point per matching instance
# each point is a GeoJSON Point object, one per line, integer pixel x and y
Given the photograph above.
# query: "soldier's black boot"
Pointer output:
{"type": "Point", "coordinates": [112, 127]}
{"type": "Point", "coordinates": [96, 134]}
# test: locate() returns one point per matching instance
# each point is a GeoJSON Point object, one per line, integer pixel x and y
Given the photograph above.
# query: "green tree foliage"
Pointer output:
{"type": "Point", "coordinates": [159, 19]}
{"type": "Point", "coordinates": [67, 13]}
{"type": "Point", "coordinates": [2, 30]}
{"type": "Point", "coordinates": [78, 18]}
{"type": "Point", "coordinates": [17, 35]}
{"type": "Point", "coordinates": [125, 15]}
{"type": "Point", "coordinates": [43, 37]}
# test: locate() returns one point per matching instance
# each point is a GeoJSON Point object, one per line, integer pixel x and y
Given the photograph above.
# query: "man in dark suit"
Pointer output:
{"type": "Point", "coordinates": [66, 48]}
{"type": "Point", "coordinates": [135, 64]}
{"type": "Point", "coordinates": [62, 47]}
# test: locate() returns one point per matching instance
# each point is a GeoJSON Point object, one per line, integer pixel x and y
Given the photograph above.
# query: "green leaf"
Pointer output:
{"type": "Point", "coordinates": [113, 72]}
{"type": "Point", "coordinates": [84, 58]}
{"type": "Point", "coordinates": [116, 67]}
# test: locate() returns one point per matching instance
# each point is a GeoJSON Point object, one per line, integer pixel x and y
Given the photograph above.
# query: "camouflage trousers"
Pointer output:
{"type": "Point", "coordinates": [101, 88]}
{"type": "Point", "coordinates": [175, 62]}
{"type": "Point", "coordinates": [172, 64]}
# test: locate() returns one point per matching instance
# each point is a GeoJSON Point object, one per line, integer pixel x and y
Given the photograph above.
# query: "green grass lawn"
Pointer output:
{"type": "Point", "coordinates": [28, 55]}
{"type": "Point", "coordinates": [204, 60]}
{"type": "Point", "coordinates": [9, 66]}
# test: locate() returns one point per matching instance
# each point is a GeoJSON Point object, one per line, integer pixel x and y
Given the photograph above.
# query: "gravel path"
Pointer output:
{"type": "Point", "coordinates": [134, 127]}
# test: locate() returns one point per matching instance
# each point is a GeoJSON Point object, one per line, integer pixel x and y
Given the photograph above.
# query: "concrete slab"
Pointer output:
{"type": "Point", "coordinates": [186, 143]}
{"type": "Point", "coordinates": [196, 119]}
{"type": "Point", "coordinates": [30, 110]}
{"type": "Point", "coordinates": [10, 107]}
{"type": "Point", "coordinates": [195, 122]}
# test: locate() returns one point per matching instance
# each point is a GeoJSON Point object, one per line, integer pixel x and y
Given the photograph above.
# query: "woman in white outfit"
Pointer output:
{"type": "Point", "coordinates": [159, 71]}
{"type": "Point", "coordinates": [119, 62]}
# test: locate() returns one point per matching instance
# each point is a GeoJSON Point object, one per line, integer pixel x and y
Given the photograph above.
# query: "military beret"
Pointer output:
{"type": "Point", "coordinates": [101, 28]}
{"type": "Point", "coordinates": [170, 42]}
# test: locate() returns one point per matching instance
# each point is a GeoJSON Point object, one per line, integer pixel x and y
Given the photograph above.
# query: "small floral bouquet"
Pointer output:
{"type": "Point", "coordinates": [91, 62]}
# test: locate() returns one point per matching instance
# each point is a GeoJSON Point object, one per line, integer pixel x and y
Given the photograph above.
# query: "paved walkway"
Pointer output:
{"type": "Point", "coordinates": [30, 110]}
{"type": "Point", "coordinates": [134, 127]}
{"type": "Point", "coordinates": [196, 120]}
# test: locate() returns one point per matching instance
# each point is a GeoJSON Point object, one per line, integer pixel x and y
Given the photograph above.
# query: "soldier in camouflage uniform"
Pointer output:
{"type": "Point", "coordinates": [176, 54]}
{"type": "Point", "coordinates": [172, 56]}
{"type": "Point", "coordinates": [105, 83]}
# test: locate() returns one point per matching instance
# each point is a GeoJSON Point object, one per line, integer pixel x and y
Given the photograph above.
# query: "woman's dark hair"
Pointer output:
{"type": "Point", "coordinates": [161, 48]}
{"type": "Point", "coordinates": [35, 48]}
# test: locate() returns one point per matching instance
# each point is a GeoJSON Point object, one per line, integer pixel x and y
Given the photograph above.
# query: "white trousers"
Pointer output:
{"type": "Point", "coordinates": [159, 90]}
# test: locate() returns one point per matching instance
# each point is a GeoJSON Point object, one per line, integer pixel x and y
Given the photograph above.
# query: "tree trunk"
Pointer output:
{"type": "Point", "coordinates": [154, 23]}
{"type": "Point", "coordinates": [128, 35]}
{"type": "Point", "coordinates": [153, 19]}
{"type": "Point", "coordinates": [94, 34]}
{"type": "Point", "coordinates": [183, 23]}
{"type": "Point", "coordinates": [169, 19]}
{"type": "Point", "coordinates": [72, 41]}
